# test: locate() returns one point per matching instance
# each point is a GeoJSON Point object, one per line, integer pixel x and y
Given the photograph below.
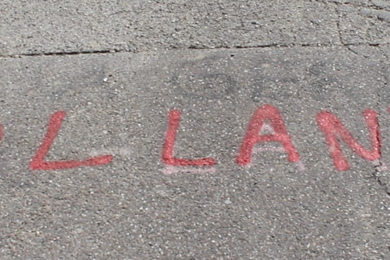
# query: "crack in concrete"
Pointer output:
{"type": "Point", "coordinates": [338, 11]}
{"type": "Point", "coordinates": [338, 26]}
{"type": "Point", "coordinates": [371, 5]}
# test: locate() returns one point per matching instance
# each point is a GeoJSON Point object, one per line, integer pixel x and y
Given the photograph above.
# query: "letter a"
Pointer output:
{"type": "Point", "coordinates": [38, 162]}
{"type": "Point", "coordinates": [167, 155]}
{"type": "Point", "coordinates": [333, 129]}
{"type": "Point", "coordinates": [252, 134]}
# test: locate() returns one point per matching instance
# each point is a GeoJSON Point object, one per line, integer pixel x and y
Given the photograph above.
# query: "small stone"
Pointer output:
{"type": "Point", "coordinates": [385, 16]}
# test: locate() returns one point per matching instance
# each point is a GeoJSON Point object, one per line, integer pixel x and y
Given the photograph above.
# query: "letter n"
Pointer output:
{"type": "Point", "coordinates": [271, 113]}
{"type": "Point", "coordinates": [333, 130]}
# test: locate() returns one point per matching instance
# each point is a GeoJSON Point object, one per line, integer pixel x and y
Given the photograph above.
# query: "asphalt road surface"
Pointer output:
{"type": "Point", "coordinates": [195, 129]}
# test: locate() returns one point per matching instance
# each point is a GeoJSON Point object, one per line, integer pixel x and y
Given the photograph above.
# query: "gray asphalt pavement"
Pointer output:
{"type": "Point", "coordinates": [195, 130]}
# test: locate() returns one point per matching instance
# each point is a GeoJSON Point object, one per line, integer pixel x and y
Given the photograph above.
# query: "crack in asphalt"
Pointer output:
{"type": "Point", "coordinates": [378, 176]}
{"type": "Point", "coordinates": [273, 45]}
{"type": "Point", "coordinates": [380, 167]}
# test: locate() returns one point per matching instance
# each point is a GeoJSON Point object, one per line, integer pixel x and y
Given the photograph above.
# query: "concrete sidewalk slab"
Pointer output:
{"type": "Point", "coordinates": [47, 27]}
{"type": "Point", "coordinates": [364, 25]}
{"type": "Point", "coordinates": [138, 208]}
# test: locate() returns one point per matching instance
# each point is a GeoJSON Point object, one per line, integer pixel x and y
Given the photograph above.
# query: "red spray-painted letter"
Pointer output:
{"type": "Point", "coordinates": [167, 155]}
{"type": "Point", "coordinates": [38, 162]}
{"type": "Point", "coordinates": [252, 134]}
{"type": "Point", "coordinates": [333, 129]}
